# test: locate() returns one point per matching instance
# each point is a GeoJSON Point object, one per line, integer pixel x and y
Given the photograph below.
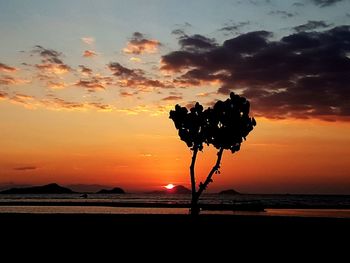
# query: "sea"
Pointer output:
{"type": "Point", "coordinates": [134, 203]}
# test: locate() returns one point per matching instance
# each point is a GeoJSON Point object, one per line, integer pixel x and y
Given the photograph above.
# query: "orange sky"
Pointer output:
{"type": "Point", "coordinates": [86, 89]}
{"type": "Point", "coordinates": [143, 152]}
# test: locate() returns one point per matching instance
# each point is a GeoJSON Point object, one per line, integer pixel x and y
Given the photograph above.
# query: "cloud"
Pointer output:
{"type": "Point", "coordinates": [50, 61]}
{"type": "Point", "coordinates": [196, 42]}
{"type": "Point", "coordinates": [91, 85]}
{"type": "Point", "coordinates": [135, 59]}
{"type": "Point", "coordinates": [88, 40]}
{"type": "Point", "coordinates": [27, 101]}
{"type": "Point", "coordinates": [234, 27]}
{"type": "Point", "coordinates": [298, 4]}
{"type": "Point", "coordinates": [311, 25]}
{"type": "Point", "coordinates": [126, 94]}
{"type": "Point", "coordinates": [172, 97]}
{"type": "Point", "coordinates": [3, 95]}
{"type": "Point", "coordinates": [25, 168]}
{"type": "Point", "coordinates": [56, 85]}
{"type": "Point", "coordinates": [55, 103]}
{"type": "Point", "coordinates": [7, 69]}
{"type": "Point", "coordinates": [121, 71]}
{"type": "Point", "coordinates": [85, 70]}
{"type": "Point", "coordinates": [9, 80]}
{"type": "Point", "coordinates": [53, 68]}
{"type": "Point", "coordinates": [138, 45]}
{"type": "Point", "coordinates": [283, 14]}
{"type": "Point", "coordinates": [302, 75]}
{"type": "Point", "coordinates": [89, 53]}
{"type": "Point", "coordinates": [325, 3]}
{"type": "Point", "coordinates": [134, 78]}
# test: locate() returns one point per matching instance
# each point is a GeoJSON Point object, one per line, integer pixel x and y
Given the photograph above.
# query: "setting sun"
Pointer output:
{"type": "Point", "coordinates": [169, 186]}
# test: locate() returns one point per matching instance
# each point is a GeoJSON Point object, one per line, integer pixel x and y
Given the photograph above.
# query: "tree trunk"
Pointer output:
{"type": "Point", "coordinates": [215, 168]}
{"type": "Point", "coordinates": [194, 210]}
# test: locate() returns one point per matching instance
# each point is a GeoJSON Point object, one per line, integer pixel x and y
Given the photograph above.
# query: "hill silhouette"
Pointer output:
{"type": "Point", "coordinates": [44, 189]}
{"type": "Point", "coordinates": [116, 190]}
{"type": "Point", "coordinates": [179, 189]}
{"type": "Point", "coordinates": [229, 192]}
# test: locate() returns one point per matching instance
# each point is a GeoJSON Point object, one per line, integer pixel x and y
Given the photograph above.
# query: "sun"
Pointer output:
{"type": "Point", "coordinates": [169, 186]}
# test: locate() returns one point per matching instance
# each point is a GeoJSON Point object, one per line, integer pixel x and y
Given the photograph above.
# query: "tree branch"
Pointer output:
{"type": "Point", "coordinates": [216, 167]}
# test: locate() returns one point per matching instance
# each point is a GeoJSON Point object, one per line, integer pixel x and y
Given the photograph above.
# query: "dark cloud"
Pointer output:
{"type": "Point", "coordinates": [139, 44]}
{"type": "Point", "coordinates": [311, 25]}
{"type": "Point", "coordinates": [25, 168]}
{"type": "Point", "coordinates": [196, 42]}
{"type": "Point", "coordinates": [234, 27]}
{"type": "Point", "coordinates": [302, 75]}
{"type": "Point", "coordinates": [135, 78]}
{"type": "Point", "coordinates": [91, 84]}
{"type": "Point", "coordinates": [325, 3]}
{"type": "Point", "coordinates": [173, 97]}
{"type": "Point", "coordinates": [48, 55]}
{"type": "Point", "coordinates": [181, 29]}
{"type": "Point", "coordinates": [85, 70]}
{"type": "Point", "coordinates": [51, 61]}
{"type": "Point", "coordinates": [6, 68]}
{"type": "Point", "coordinates": [119, 70]}
{"type": "Point", "coordinates": [298, 4]}
{"type": "Point", "coordinates": [283, 14]}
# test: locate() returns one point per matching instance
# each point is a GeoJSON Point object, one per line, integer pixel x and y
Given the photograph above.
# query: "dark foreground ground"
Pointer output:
{"type": "Point", "coordinates": [176, 234]}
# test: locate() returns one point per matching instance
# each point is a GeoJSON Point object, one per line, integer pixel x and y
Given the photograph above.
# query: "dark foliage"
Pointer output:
{"type": "Point", "coordinates": [224, 126]}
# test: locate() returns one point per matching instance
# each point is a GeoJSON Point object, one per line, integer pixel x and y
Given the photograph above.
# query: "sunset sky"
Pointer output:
{"type": "Point", "coordinates": [86, 88]}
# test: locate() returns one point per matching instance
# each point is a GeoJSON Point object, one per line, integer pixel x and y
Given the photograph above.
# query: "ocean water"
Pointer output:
{"type": "Point", "coordinates": [268, 201]}
{"type": "Point", "coordinates": [275, 205]}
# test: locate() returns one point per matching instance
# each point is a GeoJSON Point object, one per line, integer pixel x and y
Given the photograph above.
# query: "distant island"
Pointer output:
{"type": "Point", "coordinates": [229, 192]}
{"type": "Point", "coordinates": [116, 190]}
{"type": "Point", "coordinates": [44, 189]}
{"type": "Point", "coordinates": [54, 188]}
{"type": "Point", "coordinates": [178, 189]}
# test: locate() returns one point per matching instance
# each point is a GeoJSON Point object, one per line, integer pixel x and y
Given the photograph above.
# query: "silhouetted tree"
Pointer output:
{"type": "Point", "coordinates": [224, 126]}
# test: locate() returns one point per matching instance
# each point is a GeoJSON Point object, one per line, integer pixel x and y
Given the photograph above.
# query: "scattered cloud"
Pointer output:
{"type": "Point", "coordinates": [56, 85]}
{"type": "Point", "coordinates": [89, 53]}
{"type": "Point", "coordinates": [27, 101]}
{"type": "Point", "coordinates": [135, 59]}
{"type": "Point", "coordinates": [302, 75]}
{"type": "Point", "coordinates": [311, 25]}
{"type": "Point", "coordinates": [325, 3]}
{"type": "Point", "coordinates": [233, 27]}
{"type": "Point", "coordinates": [205, 94]}
{"type": "Point", "coordinates": [3, 94]}
{"type": "Point", "coordinates": [138, 45]}
{"type": "Point", "coordinates": [9, 80]}
{"type": "Point", "coordinates": [25, 168]}
{"type": "Point", "coordinates": [88, 40]}
{"type": "Point", "coordinates": [91, 85]}
{"type": "Point", "coordinates": [85, 70]}
{"type": "Point", "coordinates": [121, 71]}
{"type": "Point", "coordinates": [53, 68]}
{"type": "Point", "coordinates": [7, 69]}
{"type": "Point", "coordinates": [126, 94]}
{"type": "Point", "coordinates": [51, 61]}
{"type": "Point", "coordinates": [173, 97]}
{"type": "Point", "coordinates": [134, 78]}
{"type": "Point", "coordinates": [283, 14]}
